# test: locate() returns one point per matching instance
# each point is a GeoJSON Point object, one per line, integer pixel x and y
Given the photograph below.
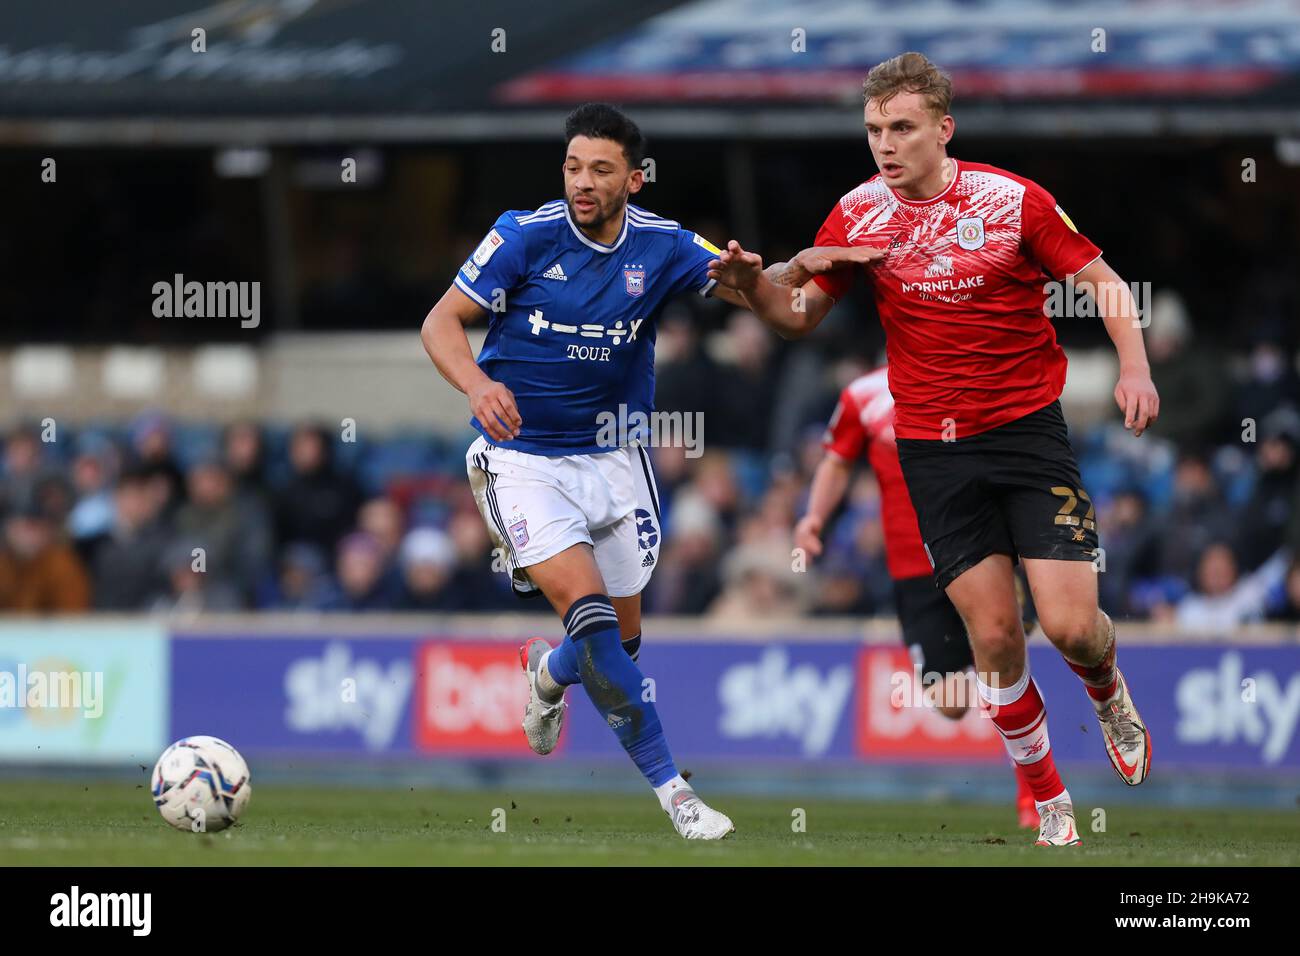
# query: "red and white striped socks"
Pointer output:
{"type": "Point", "coordinates": [1021, 718]}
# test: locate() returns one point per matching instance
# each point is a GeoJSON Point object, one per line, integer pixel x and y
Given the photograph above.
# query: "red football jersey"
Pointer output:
{"type": "Point", "coordinates": [864, 420]}
{"type": "Point", "coordinates": [961, 295]}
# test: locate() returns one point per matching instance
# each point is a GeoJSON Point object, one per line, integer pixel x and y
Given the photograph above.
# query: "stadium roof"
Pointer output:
{"type": "Point", "coordinates": [282, 58]}
{"type": "Point", "coordinates": [393, 70]}
{"type": "Point", "coordinates": [817, 51]}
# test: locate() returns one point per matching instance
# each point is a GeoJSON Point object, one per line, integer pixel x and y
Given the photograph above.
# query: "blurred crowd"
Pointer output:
{"type": "Point", "coordinates": [127, 524]}
{"type": "Point", "coordinates": [1198, 519]}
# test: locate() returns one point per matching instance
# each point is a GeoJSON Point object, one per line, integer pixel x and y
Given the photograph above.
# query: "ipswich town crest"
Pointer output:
{"type": "Point", "coordinates": [634, 280]}
{"type": "Point", "coordinates": [519, 532]}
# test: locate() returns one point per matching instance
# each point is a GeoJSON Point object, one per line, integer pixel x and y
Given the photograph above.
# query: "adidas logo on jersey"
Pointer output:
{"type": "Point", "coordinates": [555, 272]}
{"type": "Point", "coordinates": [648, 560]}
{"type": "Point", "coordinates": [615, 721]}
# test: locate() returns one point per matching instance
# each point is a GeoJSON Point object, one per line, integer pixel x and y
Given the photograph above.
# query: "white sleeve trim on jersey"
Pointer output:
{"type": "Point", "coordinates": [708, 287]}
{"type": "Point", "coordinates": [544, 210]}
{"type": "Point", "coordinates": [652, 222]}
{"type": "Point", "coordinates": [645, 216]}
{"type": "Point", "coordinates": [1086, 264]}
{"type": "Point", "coordinates": [534, 220]}
{"type": "Point", "coordinates": [464, 287]}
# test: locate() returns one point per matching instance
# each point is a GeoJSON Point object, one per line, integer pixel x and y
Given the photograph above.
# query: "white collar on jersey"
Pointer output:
{"type": "Point", "coordinates": [587, 240]}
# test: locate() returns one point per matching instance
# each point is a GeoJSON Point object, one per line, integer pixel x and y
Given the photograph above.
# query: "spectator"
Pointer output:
{"type": "Point", "coordinates": [840, 589]}
{"type": "Point", "coordinates": [359, 568]}
{"type": "Point", "coordinates": [126, 561]}
{"type": "Point", "coordinates": [672, 471]}
{"type": "Point", "coordinates": [1129, 550]}
{"type": "Point", "coordinates": [760, 585]}
{"type": "Point", "coordinates": [92, 478]}
{"type": "Point", "coordinates": [1199, 512]}
{"type": "Point", "coordinates": [855, 545]}
{"type": "Point", "coordinates": [687, 579]}
{"type": "Point", "coordinates": [24, 466]}
{"type": "Point", "coordinates": [742, 394]}
{"type": "Point", "coordinates": [382, 519]}
{"type": "Point", "coordinates": [1222, 600]}
{"type": "Point", "coordinates": [474, 585]}
{"type": "Point", "coordinates": [244, 453]}
{"type": "Point", "coordinates": [317, 504]}
{"type": "Point", "coordinates": [428, 562]}
{"type": "Point", "coordinates": [1270, 383]}
{"type": "Point", "coordinates": [1262, 524]}
{"type": "Point", "coordinates": [302, 583]}
{"type": "Point", "coordinates": [237, 551]}
{"type": "Point", "coordinates": [715, 482]}
{"type": "Point", "coordinates": [685, 374]}
{"type": "Point", "coordinates": [1189, 378]}
{"type": "Point", "coordinates": [151, 443]}
{"type": "Point", "coordinates": [39, 572]}
{"type": "Point", "coordinates": [1287, 606]}
{"type": "Point", "coordinates": [55, 498]}
{"type": "Point", "coordinates": [189, 590]}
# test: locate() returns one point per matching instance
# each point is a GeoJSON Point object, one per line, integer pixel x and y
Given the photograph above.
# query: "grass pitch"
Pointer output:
{"type": "Point", "coordinates": [114, 823]}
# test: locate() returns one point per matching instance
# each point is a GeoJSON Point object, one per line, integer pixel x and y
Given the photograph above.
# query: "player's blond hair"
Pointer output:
{"type": "Point", "coordinates": [909, 73]}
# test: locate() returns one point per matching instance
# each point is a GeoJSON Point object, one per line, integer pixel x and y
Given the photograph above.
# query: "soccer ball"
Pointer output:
{"type": "Point", "coordinates": [201, 784]}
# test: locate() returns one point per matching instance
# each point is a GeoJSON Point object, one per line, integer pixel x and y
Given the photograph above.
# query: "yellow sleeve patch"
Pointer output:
{"type": "Point", "coordinates": [1068, 221]}
{"type": "Point", "coordinates": [701, 241]}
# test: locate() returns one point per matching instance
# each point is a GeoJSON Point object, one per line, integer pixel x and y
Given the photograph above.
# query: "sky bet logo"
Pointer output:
{"type": "Point", "coordinates": [73, 909]}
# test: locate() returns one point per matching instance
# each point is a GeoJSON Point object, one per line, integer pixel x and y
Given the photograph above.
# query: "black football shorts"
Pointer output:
{"type": "Point", "coordinates": [1012, 490]}
{"type": "Point", "coordinates": [932, 629]}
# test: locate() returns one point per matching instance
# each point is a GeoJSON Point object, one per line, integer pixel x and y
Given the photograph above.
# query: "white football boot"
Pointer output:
{"type": "Point", "coordinates": [1056, 825]}
{"type": "Point", "coordinates": [1128, 745]}
{"type": "Point", "coordinates": [695, 820]}
{"type": "Point", "coordinates": [542, 719]}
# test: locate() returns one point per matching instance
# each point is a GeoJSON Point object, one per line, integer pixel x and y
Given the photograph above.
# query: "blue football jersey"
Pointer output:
{"type": "Point", "coordinates": [571, 327]}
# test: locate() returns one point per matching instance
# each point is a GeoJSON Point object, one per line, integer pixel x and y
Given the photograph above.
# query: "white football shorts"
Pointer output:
{"type": "Point", "coordinates": [536, 506]}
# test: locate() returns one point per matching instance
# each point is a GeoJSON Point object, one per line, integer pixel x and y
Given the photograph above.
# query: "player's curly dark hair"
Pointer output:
{"type": "Point", "coordinates": [604, 121]}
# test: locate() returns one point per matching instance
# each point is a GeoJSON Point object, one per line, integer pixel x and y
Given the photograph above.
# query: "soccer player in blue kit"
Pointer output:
{"type": "Point", "coordinates": [572, 291]}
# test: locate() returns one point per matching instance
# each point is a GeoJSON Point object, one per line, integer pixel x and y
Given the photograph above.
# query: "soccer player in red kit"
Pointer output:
{"type": "Point", "coordinates": [958, 254]}
{"type": "Point", "coordinates": [863, 424]}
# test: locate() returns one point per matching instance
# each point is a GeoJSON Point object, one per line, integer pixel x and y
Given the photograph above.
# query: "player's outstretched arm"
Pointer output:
{"type": "Point", "coordinates": [444, 338]}
{"type": "Point", "coordinates": [791, 315]}
{"type": "Point", "coordinates": [819, 260]}
{"type": "Point", "coordinates": [1135, 393]}
{"type": "Point", "coordinates": [830, 481]}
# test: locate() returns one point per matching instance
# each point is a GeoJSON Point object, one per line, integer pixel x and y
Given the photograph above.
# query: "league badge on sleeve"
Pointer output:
{"type": "Point", "coordinates": [970, 232]}
{"type": "Point", "coordinates": [1066, 219]}
{"type": "Point", "coordinates": [705, 244]}
{"type": "Point", "coordinates": [489, 245]}
{"type": "Point", "coordinates": [634, 280]}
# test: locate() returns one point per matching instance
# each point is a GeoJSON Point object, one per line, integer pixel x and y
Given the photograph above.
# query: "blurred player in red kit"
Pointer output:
{"type": "Point", "coordinates": [959, 255]}
{"type": "Point", "coordinates": [863, 424]}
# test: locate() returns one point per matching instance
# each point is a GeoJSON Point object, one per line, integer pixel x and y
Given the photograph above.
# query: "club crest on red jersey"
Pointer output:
{"type": "Point", "coordinates": [634, 280]}
{"type": "Point", "coordinates": [970, 232]}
